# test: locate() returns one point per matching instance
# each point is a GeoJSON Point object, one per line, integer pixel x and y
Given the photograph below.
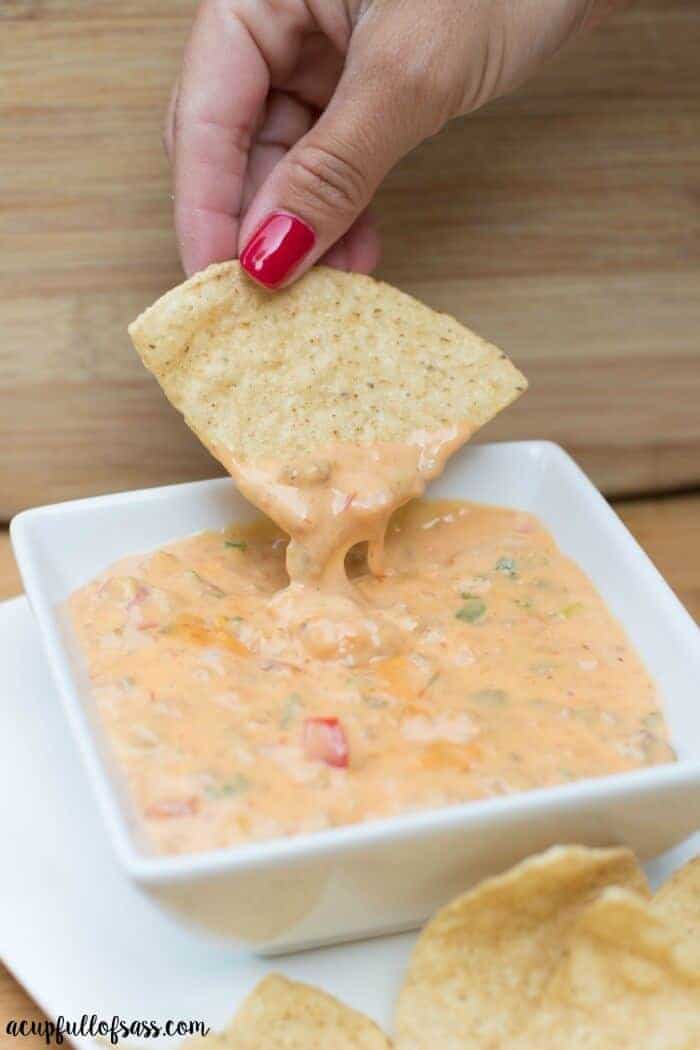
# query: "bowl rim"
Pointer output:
{"type": "Point", "coordinates": [270, 854]}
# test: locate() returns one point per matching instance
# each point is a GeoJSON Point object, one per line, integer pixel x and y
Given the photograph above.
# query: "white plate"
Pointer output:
{"type": "Point", "coordinates": [384, 875]}
{"type": "Point", "coordinates": [80, 937]}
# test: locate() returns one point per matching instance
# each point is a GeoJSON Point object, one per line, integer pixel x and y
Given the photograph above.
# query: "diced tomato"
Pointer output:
{"type": "Point", "coordinates": [325, 741]}
{"type": "Point", "coordinates": [174, 807]}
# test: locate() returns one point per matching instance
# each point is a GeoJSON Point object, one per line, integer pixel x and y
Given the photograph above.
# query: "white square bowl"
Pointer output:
{"type": "Point", "coordinates": [383, 875]}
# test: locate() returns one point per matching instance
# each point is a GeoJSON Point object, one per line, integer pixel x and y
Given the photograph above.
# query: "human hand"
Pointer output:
{"type": "Point", "coordinates": [288, 114]}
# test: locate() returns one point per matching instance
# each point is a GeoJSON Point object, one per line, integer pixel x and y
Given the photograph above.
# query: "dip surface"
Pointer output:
{"type": "Point", "coordinates": [482, 662]}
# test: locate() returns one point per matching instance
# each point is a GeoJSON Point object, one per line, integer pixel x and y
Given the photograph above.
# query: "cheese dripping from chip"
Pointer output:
{"type": "Point", "coordinates": [331, 403]}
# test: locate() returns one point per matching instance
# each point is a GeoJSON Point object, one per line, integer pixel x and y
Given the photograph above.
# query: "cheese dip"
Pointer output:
{"type": "Point", "coordinates": [480, 662]}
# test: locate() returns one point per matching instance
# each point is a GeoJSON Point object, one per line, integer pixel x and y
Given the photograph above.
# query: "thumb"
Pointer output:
{"type": "Point", "coordinates": [321, 186]}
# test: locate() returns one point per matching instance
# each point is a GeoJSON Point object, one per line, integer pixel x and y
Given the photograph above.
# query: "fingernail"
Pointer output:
{"type": "Point", "coordinates": [276, 248]}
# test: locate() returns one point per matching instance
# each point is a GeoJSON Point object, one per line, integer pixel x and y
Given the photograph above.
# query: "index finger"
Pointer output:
{"type": "Point", "coordinates": [223, 87]}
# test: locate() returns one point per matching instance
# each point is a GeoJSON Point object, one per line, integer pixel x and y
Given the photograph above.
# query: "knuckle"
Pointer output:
{"type": "Point", "coordinates": [432, 90]}
{"type": "Point", "coordinates": [327, 177]}
{"type": "Point", "coordinates": [418, 85]}
{"type": "Point", "coordinates": [416, 76]}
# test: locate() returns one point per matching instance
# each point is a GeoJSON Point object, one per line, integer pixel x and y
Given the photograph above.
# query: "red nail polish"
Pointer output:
{"type": "Point", "coordinates": [276, 248]}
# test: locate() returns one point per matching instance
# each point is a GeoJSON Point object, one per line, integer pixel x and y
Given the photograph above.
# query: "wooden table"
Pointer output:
{"type": "Point", "coordinates": [669, 530]}
{"type": "Point", "coordinates": [562, 222]}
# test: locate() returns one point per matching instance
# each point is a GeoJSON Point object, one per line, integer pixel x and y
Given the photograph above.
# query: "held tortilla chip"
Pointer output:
{"type": "Point", "coordinates": [336, 357]}
{"type": "Point", "coordinates": [629, 981]}
{"type": "Point", "coordinates": [286, 1015]}
{"type": "Point", "coordinates": [482, 962]}
{"type": "Point", "coordinates": [678, 900]}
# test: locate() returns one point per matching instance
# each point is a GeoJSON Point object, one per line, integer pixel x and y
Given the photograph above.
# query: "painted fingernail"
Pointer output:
{"type": "Point", "coordinates": [276, 248]}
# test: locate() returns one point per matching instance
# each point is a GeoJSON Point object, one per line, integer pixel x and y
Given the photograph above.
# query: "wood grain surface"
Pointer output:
{"type": "Point", "coordinates": [563, 223]}
{"type": "Point", "coordinates": [669, 530]}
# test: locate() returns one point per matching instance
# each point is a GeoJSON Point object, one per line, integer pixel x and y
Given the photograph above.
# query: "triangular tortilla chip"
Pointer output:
{"type": "Point", "coordinates": [629, 980]}
{"type": "Point", "coordinates": [286, 1015]}
{"type": "Point", "coordinates": [336, 357]}
{"type": "Point", "coordinates": [678, 899]}
{"type": "Point", "coordinates": [481, 964]}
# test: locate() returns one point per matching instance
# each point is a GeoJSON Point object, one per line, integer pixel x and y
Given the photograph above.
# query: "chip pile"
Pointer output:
{"type": "Point", "coordinates": [567, 950]}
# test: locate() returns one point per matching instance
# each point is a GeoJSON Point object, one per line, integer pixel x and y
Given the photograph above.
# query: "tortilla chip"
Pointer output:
{"type": "Point", "coordinates": [285, 1015]}
{"type": "Point", "coordinates": [678, 900]}
{"type": "Point", "coordinates": [336, 357]}
{"type": "Point", "coordinates": [483, 961]}
{"type": "Point", "coordinates": [629, 981]}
